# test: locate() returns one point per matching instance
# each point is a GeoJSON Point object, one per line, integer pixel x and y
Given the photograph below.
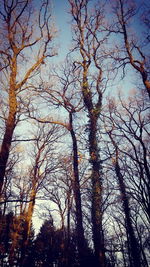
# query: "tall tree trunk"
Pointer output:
{"type": "Point", "coordinates": [88, 41]}
{"type": "Point", "coordinates": [77, 196]}
{"type": "Point", "coordinates": [15, 237]}
{"type": "Point", "coordinates": [96, 176]}
{"type": "Point", "coordinates": [28, 221]}
{"type": "Point", "coordinates": [10, 123]}
{"type": "Point", "coordinates": [29, 212]}
{"type": "Point", "coordinates": [69, 204]}
{"type": "Point", "coordinates": [134, 251]}
{"type": "Point", "coordinates": [133, 244]}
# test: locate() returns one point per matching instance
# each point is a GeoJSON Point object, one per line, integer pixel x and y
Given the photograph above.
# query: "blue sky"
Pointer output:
{"type": "Point", "coordinates": [63, 23]}
{"type": "Point", "coordinates": [62, 19]}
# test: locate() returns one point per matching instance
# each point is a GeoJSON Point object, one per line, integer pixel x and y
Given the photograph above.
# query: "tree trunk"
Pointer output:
{"type": "Point", "coordinates": [77, 196]}
{"type": "Point", "coordinates": [10, 123]}
{"type": "Point", "coordinates": [68, 229]}
{"type": "Point", "coordinates": [133, 244]}
{"type": "Point", "coordinates": [96, 176]}
{"type": "Point", "coordinates": [28, 221]}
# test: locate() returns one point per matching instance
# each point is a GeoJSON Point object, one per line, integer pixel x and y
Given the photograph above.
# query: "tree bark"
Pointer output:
{"type": "Point", "coordinates": [77, 196]}
{"type": "Point", "coordinates": [10, 123]}
{"type": "Point", "coordinates": [96, 176]}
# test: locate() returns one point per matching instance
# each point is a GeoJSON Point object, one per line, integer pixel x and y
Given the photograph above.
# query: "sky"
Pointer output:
{"type": "Point", "coordinates": [62, 18]}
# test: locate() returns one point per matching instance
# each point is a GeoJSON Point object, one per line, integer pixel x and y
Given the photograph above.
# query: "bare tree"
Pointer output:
{"type": "Point", "coordinates": [135, 50]}
{"type": "Point", "coordinates": [70, 100]}
{"type": "Point", "coordinates": [28, 187]}
{"type": "Point", "coordinates": [133, 243]}
{"type": "Point", "coordinates": [126, 124]}
{"type": "Point", "coordinates": [23, 30]}
{"type": "Point", "coordinates": [89, 39]}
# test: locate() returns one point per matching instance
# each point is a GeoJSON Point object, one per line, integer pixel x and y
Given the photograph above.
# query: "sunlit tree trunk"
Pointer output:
{"type": "Point", "coordinates": [28, 213]}
{"type": "Point", "coordinates": [19, 36]}
{"type": "Point", "coordinates": [27, 226]}
{"type": "Point", "coordinates": [16, 238]}
{"type": "Point", "coordinates": [10, 122]}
